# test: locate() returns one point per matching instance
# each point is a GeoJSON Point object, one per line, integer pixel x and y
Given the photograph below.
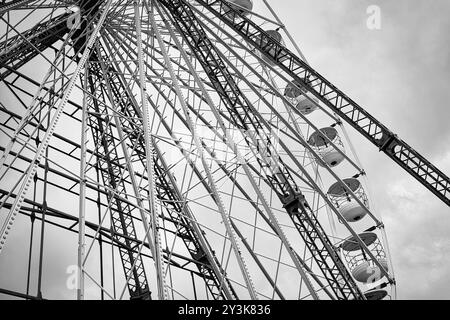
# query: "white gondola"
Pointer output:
{"type": "Point", "coordinates": [363, 269]}
{"type": "Point", "coordinates": [327, 152]}
{"type": "Point", "coordinates": [240, 5]}
{"type": "Point", "coordinates": [294, 90]}
{"type": "Point", "coordinates": [351, 210]}
{"type": "Point", "coordinates": [298, 98]}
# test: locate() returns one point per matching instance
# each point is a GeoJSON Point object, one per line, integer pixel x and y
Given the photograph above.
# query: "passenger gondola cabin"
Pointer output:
{"type": "Point", "coordinates": [243, 6]}
{"type": "Point", "coordinates": [347, 205]}
{"type": "Point", "coordinates": [363, 269]}
{"type": "Point", "coordinates": [320, 141]}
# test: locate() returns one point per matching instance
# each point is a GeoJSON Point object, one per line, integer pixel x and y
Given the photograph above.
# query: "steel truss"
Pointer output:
{"type": "Point", "coordinates": [151, 74]}
{"type": "Point", "coordinates": [280, 178]}
{"type": "Point", "coordinates": [398, 150]}
{"type": "Point", "coordinates": [167, 191]}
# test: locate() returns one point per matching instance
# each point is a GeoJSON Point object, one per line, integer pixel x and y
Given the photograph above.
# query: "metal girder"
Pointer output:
{"type": "Point", "coordinates": [315, 238]}
{"type": "Point", "coordinates": [24, 182]}
{"type": "Point", "coordinates": [112, 175]}
{"type": "Point", "coordinates": [388, 142]}
{"type": "Point", "coordinates": [38, 208]}
{"type": "Point", "coordinates": [23, 48]}
{"type": "Point", "coordinates": [20, 49]}
{"type": "Point", "coordinates": [167, 192]}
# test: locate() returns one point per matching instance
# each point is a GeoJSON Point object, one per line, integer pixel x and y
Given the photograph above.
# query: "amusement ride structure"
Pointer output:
{"type": "Point", "coordinates": [182, 149]}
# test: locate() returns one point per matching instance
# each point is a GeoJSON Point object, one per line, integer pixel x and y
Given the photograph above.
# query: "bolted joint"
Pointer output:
{"type": "Point", "coordinates": [293, 201]}
{"type": "Point", "coordinates": [387, 141]}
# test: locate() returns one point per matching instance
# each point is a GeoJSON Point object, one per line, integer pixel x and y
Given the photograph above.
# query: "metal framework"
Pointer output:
{"type": "Point", "coordinates": [280, 178]}
{"type": "Point", "coordinates": [398, 150]}
{"type": "Point", "coordinates": [165, 127]}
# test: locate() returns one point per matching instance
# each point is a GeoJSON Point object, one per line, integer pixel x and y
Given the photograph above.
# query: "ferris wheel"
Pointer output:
{"type": "Point", "coordinates": [177, 150]}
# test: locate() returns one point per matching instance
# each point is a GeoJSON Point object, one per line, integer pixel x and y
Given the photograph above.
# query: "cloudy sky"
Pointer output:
{"type": "Point", "coordinates": [400, 74]}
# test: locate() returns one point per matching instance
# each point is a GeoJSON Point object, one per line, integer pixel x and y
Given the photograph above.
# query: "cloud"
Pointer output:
{"type": "Point", "coordinates": [417, 226]}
